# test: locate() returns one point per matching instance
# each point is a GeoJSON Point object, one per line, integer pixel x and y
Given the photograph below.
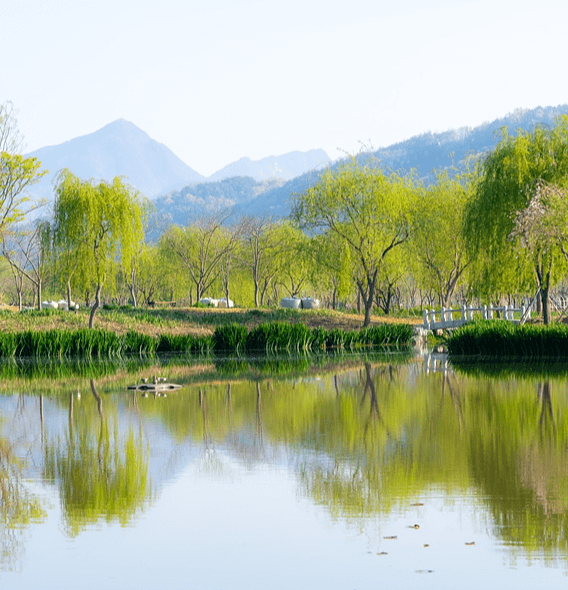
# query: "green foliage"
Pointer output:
{"type": "Point", "coordinates": [184, 343]}
{"type": "Point", "coordinates": [387, 335]}
{"type": "Point", "coordinates": [94, 226]}
{"type": "Point", "coordinates": [437, 248]}
{"type": "Point", "coordinates": [365, 210]}
{"type": "Point", "coordinates": [17, 174]}
{"type": "Point", "coordinates": [230, 338]}
{"type": "Point", "coordinates": [504, 190]}
{"type": "Point", "coordinates": [495, 338]}
{"type": "Point", "coordinates": [136, 343]}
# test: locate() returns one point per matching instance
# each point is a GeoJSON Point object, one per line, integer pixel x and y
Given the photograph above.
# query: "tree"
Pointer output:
{"type": "Point", "coordinates": [259, 254]}
{"type": "Point", "coordinates": [437, 244]}
{"type": "Point", "coordinates": [201, 248]}
{"type": "Point", "coordinates": [331, 266]}
{"type": "Point", "coordinates": [24, 249]}
{"type": "Point", "coordinates": [510, 175]}
{"type": "Point", "coordinates": [95, 225]}
{"type": "Point", "coordinates": [366, 209]}
{"type": "Point", "coordinates": [11, 141]}
{"type": "Point", "coordinates": [17, 173]}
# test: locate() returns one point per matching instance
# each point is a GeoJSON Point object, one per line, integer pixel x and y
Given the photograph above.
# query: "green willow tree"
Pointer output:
{"type": "Point", "coordinates": [366, 209]}
{"type": "Point", "coordinates": [201, 249]}
{"type": "Point", "coordinates": [437, 246]}
{"type": "Point", "coordinates": [17, 173]}
{"type": "Point", "coordinates": [95, 226]}
{"type": "Point", "coordinates": [509, 177]}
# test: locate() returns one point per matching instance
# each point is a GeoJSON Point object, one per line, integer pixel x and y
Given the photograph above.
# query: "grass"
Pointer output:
{"type": "Point", "coordinates": [236, 338]}
{"type": "Point", "coordinates": [499, 339]}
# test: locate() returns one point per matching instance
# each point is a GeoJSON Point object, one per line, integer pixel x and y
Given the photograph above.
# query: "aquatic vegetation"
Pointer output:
{"type": "Point", "coordinates": [506, 340]}
{"type": "Point", "coordinates": [234, 338]}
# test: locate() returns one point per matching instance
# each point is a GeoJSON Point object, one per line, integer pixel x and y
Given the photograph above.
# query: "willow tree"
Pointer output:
{"type": "Point", "coordinates": [438, 250]}
{"type": "Point", "coordinates": [366, 209]}
{"type": "Point", "coordinates": [201, 249]}
{"type": "Point", "coordinates": [96, 226]}
{"type": "Point", "coordinates": [510, 179]}
{"type": "Point", "coordinates": [17, 172]}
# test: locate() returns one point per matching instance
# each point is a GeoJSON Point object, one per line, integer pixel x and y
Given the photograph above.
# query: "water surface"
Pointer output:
{"type": "Point", "coordinates": [351, 475]}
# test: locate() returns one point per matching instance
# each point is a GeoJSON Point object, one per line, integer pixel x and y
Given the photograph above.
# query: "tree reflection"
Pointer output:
{"type": "Point", "coordinates": [519, 456]}
{"type": "Point", "coordinates": [18, 507]}
{"type": "Point", "coordinates": [101, 474]}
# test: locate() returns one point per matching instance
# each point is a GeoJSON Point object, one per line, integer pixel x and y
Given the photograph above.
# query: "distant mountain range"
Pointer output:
{"type": "Point", "coordinates": [286, 167]}
{"type": "Point", "coordinates": [423, 153]}
{"type": "Point", "coordinates": [118, 149]}
{"type": "Point", "coordinates": [122, 149]}
{"type": "Point", "coordinates": [260, 188]}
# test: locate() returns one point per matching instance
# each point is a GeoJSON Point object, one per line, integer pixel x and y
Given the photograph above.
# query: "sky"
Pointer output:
{"type": "Point", "coordinates": [218, 80]}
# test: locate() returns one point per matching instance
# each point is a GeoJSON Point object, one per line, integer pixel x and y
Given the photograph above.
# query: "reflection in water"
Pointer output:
{"type": "Point", "coordinates": [101, 473]}
{"type": "Point", "coordinates": [363, 441]}
{"type": "Point", "coordinates": [18, 507]}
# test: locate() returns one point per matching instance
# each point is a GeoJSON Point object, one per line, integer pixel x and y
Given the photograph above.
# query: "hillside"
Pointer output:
{"type": "Point", "coordinates": [197, 200]}
{"type": "Point", "coordinates": [422, 153]}
{"type": "Point", "coordinates": [118, 149]}
{"type": "Point", "coordinates": [287, 166]}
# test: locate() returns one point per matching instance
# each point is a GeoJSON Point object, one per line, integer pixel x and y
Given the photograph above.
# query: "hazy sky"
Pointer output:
{"type": "Point", "coordinates": [216, 80]}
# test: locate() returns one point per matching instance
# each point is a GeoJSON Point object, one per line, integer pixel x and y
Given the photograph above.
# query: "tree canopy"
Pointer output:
{"type": "Point", "coordinates": [364, 207]}
{"type": "Point", "coordinates": [509, 175]}
{"type": "Point", "coordinates": [95, 225]}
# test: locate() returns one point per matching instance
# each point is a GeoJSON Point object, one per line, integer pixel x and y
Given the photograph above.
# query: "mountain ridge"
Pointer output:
{"type": "Point", "coordinates": [117, 149]}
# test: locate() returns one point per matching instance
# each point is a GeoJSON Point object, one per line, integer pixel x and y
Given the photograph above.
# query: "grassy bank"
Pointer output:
{"type": "Point", "coordinates": [231, 338]}
{"type": "Point", "coordinates": [501, 339]}
{"type": "Point", "coordinates": [189, 320]}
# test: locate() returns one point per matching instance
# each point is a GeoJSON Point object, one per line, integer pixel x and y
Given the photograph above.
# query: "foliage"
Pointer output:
{"type": "Point", "coordinates": [17, 174]}
{"type": "Point", "coordinates": [230, 338]}
{"type": "Point", "coordinates": [495, 338]}
{"type": "Point", "coordinates": [504, 191]}
{"type": "Point", "coordinates": [437, 245]}
{"type": "Point", "coordinates": [95, 225]}
{"type": "Point", "coordinates": [365, 209]}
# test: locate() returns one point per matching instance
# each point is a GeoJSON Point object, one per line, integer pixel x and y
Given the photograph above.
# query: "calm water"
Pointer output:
{"type": "Point", "coordinates": [288, 482]}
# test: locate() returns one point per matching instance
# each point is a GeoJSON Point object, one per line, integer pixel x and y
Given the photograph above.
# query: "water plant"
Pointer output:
{"type": "Point", "coordinates": [496, 338]}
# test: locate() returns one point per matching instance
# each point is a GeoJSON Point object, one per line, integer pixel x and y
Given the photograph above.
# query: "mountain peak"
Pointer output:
{"type": "Point", "coordinates": [117, 149]}
{"type": "Point", "coordinates": [286, 167]}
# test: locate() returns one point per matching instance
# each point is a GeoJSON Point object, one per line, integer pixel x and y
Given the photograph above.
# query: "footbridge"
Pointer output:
{"type": "Point", "coordinates": [447, 319]}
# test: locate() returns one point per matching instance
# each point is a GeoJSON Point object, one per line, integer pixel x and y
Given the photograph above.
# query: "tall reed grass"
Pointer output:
{"type": "Point", "coordinates": [230, 338]}
{"type": "Point", "coordinates": [497, 338]}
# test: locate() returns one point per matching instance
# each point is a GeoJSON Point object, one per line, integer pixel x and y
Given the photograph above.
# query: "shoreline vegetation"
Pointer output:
{"type": "Point", "coordinates": [497, 339]}
{"type": "Point", "coordinates": [51, 334]}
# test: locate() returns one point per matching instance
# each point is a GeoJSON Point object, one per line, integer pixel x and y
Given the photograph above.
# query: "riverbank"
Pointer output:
{"type": "Point", "coordinates": [183, 321]}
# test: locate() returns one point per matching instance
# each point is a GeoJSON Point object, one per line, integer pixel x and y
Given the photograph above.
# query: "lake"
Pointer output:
{"type": "Point", "coordinates": [351, 473]}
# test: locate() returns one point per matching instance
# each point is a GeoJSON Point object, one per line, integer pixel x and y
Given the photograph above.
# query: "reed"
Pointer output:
{"type": "Point", "coordinates": [235, 338]}
{"type": "Point", "coordinates": [498, 339]}
{"type": "Point", "coordinates": [230, 338]}
{"type": "Point", "coordinates": [184, 344]}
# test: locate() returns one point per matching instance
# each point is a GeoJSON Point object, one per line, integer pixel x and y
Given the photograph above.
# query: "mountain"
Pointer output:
{"type": "Point", "coordinates": [441, 150]}
{"type": "Point", "coordinates": [118, 149]}
{"type": "Point", "coordinates": [422, 153]}
{"type": "Point", "coordinates": [287, 166]}
{"type": "Point", "coordinates": [197, 200]}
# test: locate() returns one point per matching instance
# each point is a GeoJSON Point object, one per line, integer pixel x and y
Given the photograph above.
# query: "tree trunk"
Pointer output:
{"type": "Point", "coordinates": [368, 295]}
{"type": "Point", "coordinates": [256, 293]}
{"type": "Point", "coordinates": [132, 295]}
{"type": "Point", "coordinates": [38, 294]}
{"type": "Point", "coordinates": [96, 305]}
{"type": "Point", "coordinates": [545, 304]}
{"type": "Point", "coordinates": [544, 284]}
{"type": "Point", "coordinates": [69, 295]}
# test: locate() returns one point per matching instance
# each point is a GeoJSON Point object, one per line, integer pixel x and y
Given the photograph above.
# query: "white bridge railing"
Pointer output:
{"type": "Point", "coordinates": [443, 319]}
